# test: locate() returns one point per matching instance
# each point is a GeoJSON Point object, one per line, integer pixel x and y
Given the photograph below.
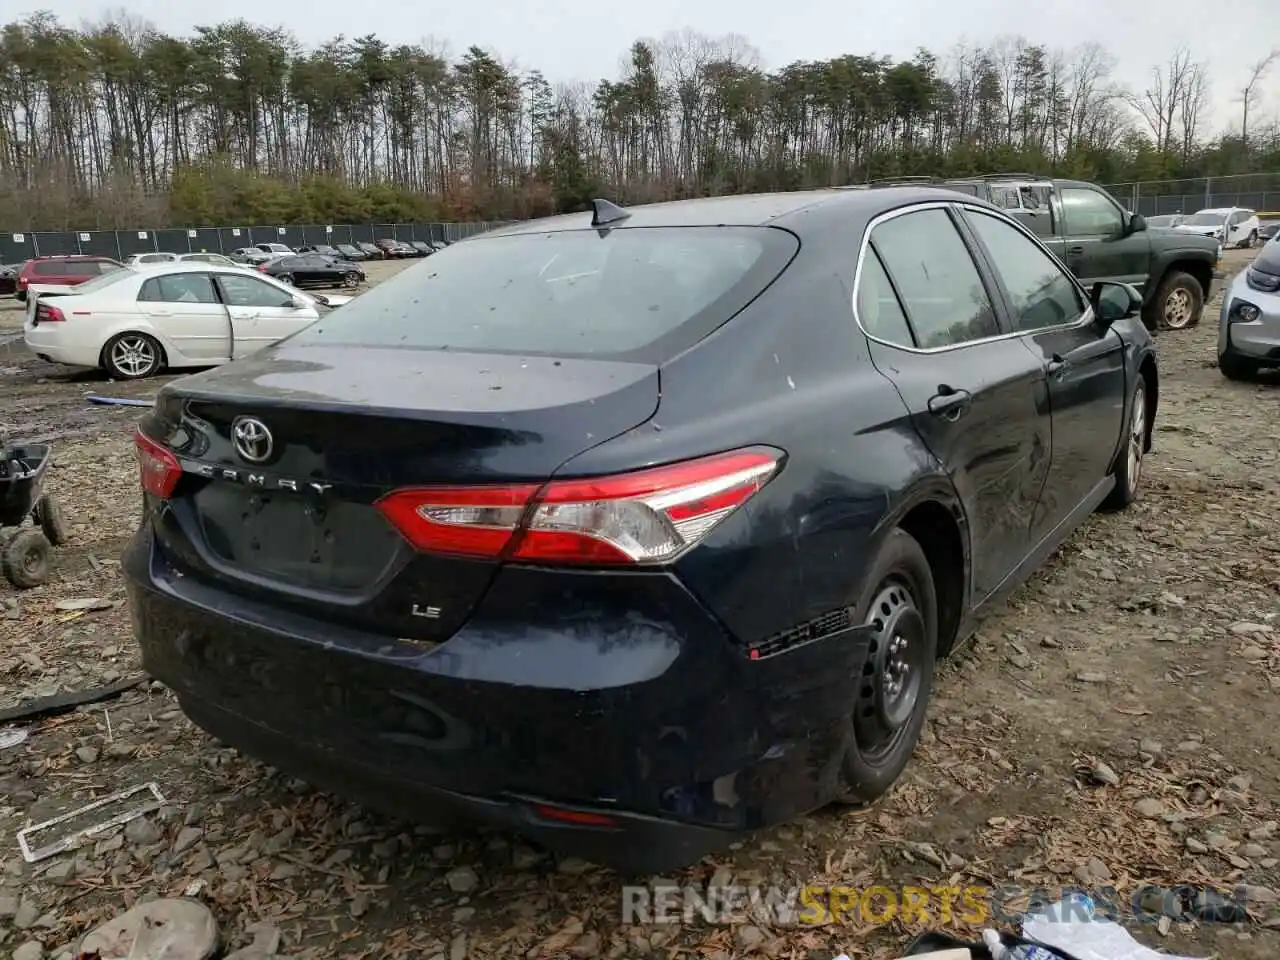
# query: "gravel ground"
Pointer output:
{"type": "Point", "coordinates": [1112, 726]}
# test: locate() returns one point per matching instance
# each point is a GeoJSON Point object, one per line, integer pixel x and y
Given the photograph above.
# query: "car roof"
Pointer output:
{"type": "Point", "coordinates": [793, 211]}
{"type": "Point", "coordinates": [45, 258]}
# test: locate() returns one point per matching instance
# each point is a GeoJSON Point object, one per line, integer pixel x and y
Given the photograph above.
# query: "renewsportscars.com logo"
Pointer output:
{"type": "Point", "coordinates": [976, 905]}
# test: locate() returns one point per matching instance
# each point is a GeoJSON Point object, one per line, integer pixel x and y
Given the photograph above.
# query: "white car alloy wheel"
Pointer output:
{"type": "Point", "coordinates": [1137, 438]}
{"type": "Point", "coordinates": [132, 356]}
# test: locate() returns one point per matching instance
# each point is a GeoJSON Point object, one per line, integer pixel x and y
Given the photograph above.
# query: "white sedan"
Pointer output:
{"type": "Point", "coordinates": [133, 323]}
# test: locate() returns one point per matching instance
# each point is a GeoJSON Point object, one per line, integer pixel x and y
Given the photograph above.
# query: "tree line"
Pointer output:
{"type": "Point", "coordinates": [118, 125]}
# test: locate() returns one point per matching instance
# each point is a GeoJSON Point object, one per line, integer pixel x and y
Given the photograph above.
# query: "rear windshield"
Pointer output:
{"type": "Point", "coordinates": [639, 294]}
{"type": "Point", "coordinates": [1205, 219]}
{"type": "Point", "coordinates": [104, 281]}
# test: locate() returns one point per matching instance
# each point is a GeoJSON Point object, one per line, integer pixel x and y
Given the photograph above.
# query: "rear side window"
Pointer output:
{"type": "Point", "coordinates": [945, 299]}
{"type": "Point", "coordinates": [179, 288]}
{"type": "Point", "coordinates": [52, 268]}
{"type": "Point", "coordinates": [638, 293]}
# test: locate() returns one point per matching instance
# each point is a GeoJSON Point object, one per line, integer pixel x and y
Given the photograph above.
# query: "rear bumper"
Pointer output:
{"type": "Point", "coordinates": [648, 714]}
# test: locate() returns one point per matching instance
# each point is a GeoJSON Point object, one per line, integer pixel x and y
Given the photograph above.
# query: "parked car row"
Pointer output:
{"type": "Point", "coordinates": [355, 252]}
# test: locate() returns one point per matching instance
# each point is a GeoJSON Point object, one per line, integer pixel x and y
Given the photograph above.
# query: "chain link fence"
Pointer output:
{"type": "Point", "coordinates": [1253, 191]}
{"type": "Point", "coordinates": [16, 246]}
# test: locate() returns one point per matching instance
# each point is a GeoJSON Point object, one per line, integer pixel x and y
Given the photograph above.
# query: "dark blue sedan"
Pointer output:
{"type": "Point", "coordinates": [635, 529]}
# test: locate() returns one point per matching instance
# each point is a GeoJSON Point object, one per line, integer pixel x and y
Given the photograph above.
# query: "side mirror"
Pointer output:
{"type": "Point", "coordinates": [1137, 223]}
{"type": "Point", "coordinates": [298, 303]}
{"type": "Point", "coordinates": [321, 299]}
{"type": "Point", "coordinates": [1112, 301]}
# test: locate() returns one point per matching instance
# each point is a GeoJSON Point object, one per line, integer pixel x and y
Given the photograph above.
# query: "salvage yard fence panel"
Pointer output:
{"type": "Point", "coordinates": [1253, 191]}
{"type": "Point", "coordinates": [19, 245]}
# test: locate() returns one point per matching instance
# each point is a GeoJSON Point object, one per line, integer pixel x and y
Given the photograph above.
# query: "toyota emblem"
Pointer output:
{"type": "Point", "coordinates": [252, 439]}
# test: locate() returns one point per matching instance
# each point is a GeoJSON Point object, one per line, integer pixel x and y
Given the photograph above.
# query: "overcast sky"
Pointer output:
{"type": "Point", "coordinates": [583, 39]}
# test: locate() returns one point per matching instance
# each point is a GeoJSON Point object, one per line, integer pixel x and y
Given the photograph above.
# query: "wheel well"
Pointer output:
{"type": "Point", "coordinates": [935, 529]}
{"type": "Point", "coordinates": [1148, 371]}
{"type": "Point", "coordinates": [102, 354]}
{"type": "Point", "coordinates": [1201, 271]}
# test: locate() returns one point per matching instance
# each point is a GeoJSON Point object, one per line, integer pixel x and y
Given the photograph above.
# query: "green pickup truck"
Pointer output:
{"type": "Point", "coordinates": [1099, 240]}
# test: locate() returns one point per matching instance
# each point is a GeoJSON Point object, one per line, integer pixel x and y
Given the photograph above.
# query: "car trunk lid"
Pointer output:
{"type": "Point", "coordinates": [287, 511]}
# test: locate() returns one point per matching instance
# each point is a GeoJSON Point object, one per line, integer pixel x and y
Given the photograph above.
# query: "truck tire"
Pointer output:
{"type": "Point", "coordinates": [1177, 304]}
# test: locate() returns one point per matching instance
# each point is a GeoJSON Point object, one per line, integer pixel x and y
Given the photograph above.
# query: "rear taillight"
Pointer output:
{"type": "Point", "coordinates": [49, 314]}
{"type": "Point", "coordinates": [262, 268]}
{"type": "Point", "coordinates": [650, 516]}
{"type": "Point", "coordinates": [158, 469]}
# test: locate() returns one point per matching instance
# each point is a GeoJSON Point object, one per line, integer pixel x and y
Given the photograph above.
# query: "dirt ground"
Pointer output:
{"type": "Point", "coordinates": [1113, 726]}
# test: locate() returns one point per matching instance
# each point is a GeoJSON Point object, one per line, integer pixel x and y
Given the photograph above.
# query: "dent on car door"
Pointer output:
{"type": "Point", "coordinates": [184, 309]}
{"type": "Point", "coordinates": [1085, 362]}
{"type": "Point", "coordinates": [1097, 244]}
{"type": "Point", "coordinates": [261, 313]}
{"type": "Point", "coordinates": [974, 394]}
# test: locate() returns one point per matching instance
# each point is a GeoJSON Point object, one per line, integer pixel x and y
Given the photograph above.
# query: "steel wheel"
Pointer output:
{"type": "Point", "coordinates": [350, 280]}
{"type": "Point", "coordinates": [1137, 439]}
{"type": "Point", "coordinates": [1178, 309]}
{"type": "Point", "coordinates": [892, 679]}
{"type": "Point", "coordinates": [131, 356]}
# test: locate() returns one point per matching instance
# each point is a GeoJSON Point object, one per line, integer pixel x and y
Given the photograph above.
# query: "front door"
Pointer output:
{"type": "Point", "coordinates": [184, 309]}
{"type": "Point", "coordinates": [1084, 360]}
{"type": "Point", "coordinates": [974, 395]}
{"type": "Point", "coordinates": [1096, 242]}
{"type": "Point", "coordinates": [261, 313]}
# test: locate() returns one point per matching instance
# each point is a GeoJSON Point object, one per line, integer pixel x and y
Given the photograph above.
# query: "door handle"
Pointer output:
{"type": "Point", "coordinates": [1075, 251]}
{"type": "Point", "coordinates": [1058, 364]}
{"type": "Point", "coordinates": [161, 313]}
{"type": "Point", "coordinates": [949, 403]}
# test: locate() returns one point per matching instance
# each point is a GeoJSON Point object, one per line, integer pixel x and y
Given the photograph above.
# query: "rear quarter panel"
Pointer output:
{"type": "Point", "coordinates": [791, 371]}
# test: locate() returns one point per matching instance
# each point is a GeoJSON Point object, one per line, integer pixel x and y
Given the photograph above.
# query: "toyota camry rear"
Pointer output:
{"type": "Point", "coordinates": [432, 552]}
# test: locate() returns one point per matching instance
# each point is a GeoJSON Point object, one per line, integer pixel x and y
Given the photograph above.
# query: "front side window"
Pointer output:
{"type": "Point", "coordinates": [1088, 213]}
{"type": "Point", "coordinates": [246, 291]}
{"type": "Point", "coordinates": [1040, 292]}
{"type": "Point", "coordinates": [942, 292]}
{"type": "Point", "coordinates": [179, 288]}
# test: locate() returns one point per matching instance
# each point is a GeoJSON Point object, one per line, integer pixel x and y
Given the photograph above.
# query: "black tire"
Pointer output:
{"type": "Point", "coordinates": [1128, 469]}
{"type": "Point", "coordinates": [21, 295]}
{"type": "Point", "coordinates": [48, 514]}
{"type": "Point", "coordinates": [26, 558]}
{"type": "Point", "coordinates": [1177, 304]}
{"type": "Point", "coordinates": [132, 356]}
{"type": "Point", "coordinates": [350, 280]}
{"type": "Point", "coordinates": [1251, 241]}
{"type": "Point", "coordinates": [902, 601]}
{"type": "Point", "coordinates": [1237, 368]}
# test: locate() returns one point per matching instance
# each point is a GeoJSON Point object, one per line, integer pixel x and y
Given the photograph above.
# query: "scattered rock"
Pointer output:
{"type": "Point", "coordinates": [462, 879]}
{"type": "Point", "coordinates": [86, 603]}
{"type": "Point", "coordinates": [187, 924]}
{"type": "Point", "coordinates": [26, 916]}
{"type": "Point", "coordinates": [747, 937]}
{"type": "Point", "coordinates": [1196, 846]}
{"type": "Point", "coordinates": [187, 838]}
{"type": "Point", "coordinates": [143, 831]}
{"type": "Point", "coordinates": [31, 950]}
{"type": "Point", "coordinates": [573, 866]}
{"type": "Point", "coordinates": [1090, 676]}
{"type": "Point", "coordinates": [1103, 773]}
{"type": "Point", "coordinates": [1150, 808]}
{"type": "Point", "coordinates": [87, 754]}
{"type": "Point", "coordinates": [1152, 748]}
{"type": "Point", "coordinates": [1243, 628]}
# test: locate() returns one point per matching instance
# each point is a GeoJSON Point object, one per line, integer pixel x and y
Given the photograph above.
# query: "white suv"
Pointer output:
{"type": "Point", "coordinates": [1234, 226]}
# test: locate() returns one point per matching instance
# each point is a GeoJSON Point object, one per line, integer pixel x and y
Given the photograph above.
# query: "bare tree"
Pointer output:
{"type": "Point", "coordinates": [1193, 100]}
{"type": "Point", "coordinates": [1158, 104]}
{"type": "Point", "coordinates": [1249, 93]}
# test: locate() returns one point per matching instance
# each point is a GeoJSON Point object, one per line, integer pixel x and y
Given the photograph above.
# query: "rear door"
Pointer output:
{"type": "Point", "coordinates": [1085, 363]}
{"type": "Point", "coordinates": [976, 395]}
{"type": "Point", "coordinates": [184, 308]}
{"type": "Point", "coordinates": [261, 312]}
{"type": "Point", "coordinates": [1097, 244]}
